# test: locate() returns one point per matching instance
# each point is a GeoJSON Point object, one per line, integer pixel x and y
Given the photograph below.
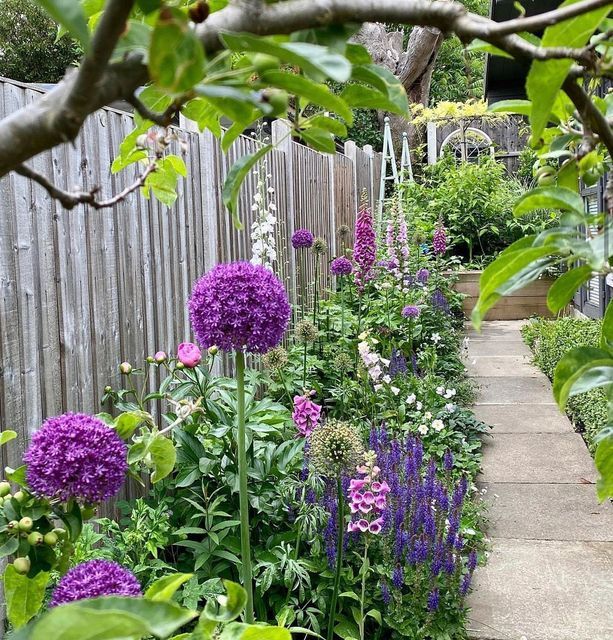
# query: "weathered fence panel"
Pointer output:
{"type": "Point", "coordinates": [81, 291]}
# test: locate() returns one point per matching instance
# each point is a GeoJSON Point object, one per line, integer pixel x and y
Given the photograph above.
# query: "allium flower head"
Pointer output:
{"type": "Point", "coordinates": [239, 306]}
{"type": "Point", "coordinates": [76, 456]}
{"type": "Point", "coordinates": [439, 239]}
{"type": "Point", "coordinates": [94, 579]}
{"type": "Point", "coordinates": [302, 239]}
{"type": "Point", "coordinates": [411, 311]}
{"type": "Point", "coordinates": [422, 276]}
{"type": "Point", "coordinates": [320, 246]}
{"type": "Point", "coordinates": [305, 331]}
{"type": "Point", "coordinates": [342, 362]}
{"type": "Point", "coordinates": [341, 266]}
{"type": "Point", "coordinates": [275, 358]}
{"type": "Point", "coordinates": [335, 448]}
{"type": "Point", "coordinates": [343, 231]}
{"type": "Point", "coordinates": [365, 246]}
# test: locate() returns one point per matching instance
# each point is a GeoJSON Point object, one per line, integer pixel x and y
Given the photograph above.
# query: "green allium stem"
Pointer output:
{"type": "Point", "coordinates": [304, 365]}
{"type": "Point", "coordinates": [342, 279]}
{"type": "Point", "coordinates": [340, 538]}
{"type": "Point", "coordinates": [243, 487]}
{"type": "Point", "coordinates": [315, 288]}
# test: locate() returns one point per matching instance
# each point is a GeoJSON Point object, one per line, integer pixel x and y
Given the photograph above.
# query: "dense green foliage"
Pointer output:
{"type": "Point", "coordinates": [550, 340]}
{"type": "Point", "coordinates": [29, 51]}
{"type": "Point", "coordinates": [475, 201]}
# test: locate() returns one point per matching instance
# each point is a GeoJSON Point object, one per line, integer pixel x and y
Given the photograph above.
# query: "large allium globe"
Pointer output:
{"type": "Point", "coordinates": [365, 247]}
{"type": "Point", "coordinates": [239, 306]}
{"type": "Point", "coordinates": [94, 579]}
{"type": "Point", "coordinates": [302, 239]}
{"type": "Point", "coordinates": [76, 456]}
{"type": "Point", "coordinates": [341, 266]}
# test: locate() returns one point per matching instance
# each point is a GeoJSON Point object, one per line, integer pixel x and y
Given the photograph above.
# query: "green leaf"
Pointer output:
{"type": "Point", "coordinates": [69, 14]}
{"type": "Point", "coordinates": [522, 107]}
{"type": "Point", "coordinates": [163, 455]}
{"type": "Point", "coordinates": [480, 46]}
{"type": "Point", "coordinates": [386, 83]}
{"type": "Point", "coordinates": [376, 614]}
{"type": "Point", "coordinates": [318, 94]}
{"type": "Point", "coordinates": [229, 607]}
{"type": "Point", "coordinates": [9, 547]}
{"type": "Point", "coordinates": [581, 370]}
{"type": "Point", "coordinates": [604, 464]}
{"type": "Point", "coordinates": [165, 588]}
{"type": "Point", "coordinates": [545, 78]}
{"type": "Point", "coordinates": [235, 178]}
{"type": "Point", "coordinates": [204, 114]}
{"type": "Point", "coordinates": [73, 520]}
{"type": "Point", "coordinates": [176, 56]}
{"type": "Point", "coordinates": [606, 333]}
{"type": "Point", "coordinates": [319, 139]}
{"type": "Point", "coordinates": [329, 124]}
{"type": "Point", "coordinates": [261, 632]}
{"type": "Point", "coordinates": [315, 60]}
{"type": "Point", "coordinates": [549, 198]}
{"type": "Point", "coordinates": [126, 423]}
{"type": "Point", "coordinates": [565, 287]}
{"type": "Point", "coordinates": [7, 436]}
{"type": "Point", "coordinates": [24, 596]}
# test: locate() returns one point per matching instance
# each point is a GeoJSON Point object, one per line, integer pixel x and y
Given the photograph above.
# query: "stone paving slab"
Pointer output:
{"type": "Point", "coordinates": [509, 390]}
{"type": "Point", "coordinates": [545, 458]}
{"type": "Point", "coordinates": [543, 590]}
{"type": "Point", "coordinates": [523, 418]}
{"type": "Point", "coordinates": [498, 330]}
{"type": "Point", "coordinates": [516, 511]}
{"type": "Point", "coordinates": [485, 347]}
{"type": "Point", "coordinates": [504, 366]}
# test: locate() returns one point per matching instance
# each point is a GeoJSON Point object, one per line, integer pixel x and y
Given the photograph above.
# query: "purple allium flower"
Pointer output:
{"type": "Point", "coordinates": [302, 239]}
{"type": "Point", "coordinates": [341, 266]}
{"type": "Point", "coordinates": [411, 311]}
{"type": "Point", "coordinates": [93, 579]}
{"type": "Point", "coordinates": [76, 456]}
{"type": "Point", "coordinates": [239, 306]}
{"type": "Point", "coordinates": [433, 600]}
{"type": "Point", "coordinates": [365, 246]}
{"type": "Point", "coordinates": [440, 302]}
{"type": "Point", "coordinates": [439, 239]}
{"type": "Point", "coordinates": [422, 276]}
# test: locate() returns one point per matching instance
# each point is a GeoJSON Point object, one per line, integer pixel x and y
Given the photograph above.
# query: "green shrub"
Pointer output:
{"type": "Point", "coordinates": [475, 202]}
{"type": "Point", "coordinates": [549, 341]}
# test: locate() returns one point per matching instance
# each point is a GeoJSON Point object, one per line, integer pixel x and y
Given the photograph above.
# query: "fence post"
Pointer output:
{"type": "Point", "coordinates": [351, 151]}
{"type": "Point", "coordinates": [368, 150]}
{"type": "Point", "coordinates": [431, 137]}
{"type": "Point", "coordinates": [332, 192]}
{"type": "Point", "coordinates": [282, 140]}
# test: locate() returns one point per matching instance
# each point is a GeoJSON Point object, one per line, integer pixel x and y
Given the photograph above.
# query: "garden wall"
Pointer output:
{"type": "Point", "coordinates": [81, 291]}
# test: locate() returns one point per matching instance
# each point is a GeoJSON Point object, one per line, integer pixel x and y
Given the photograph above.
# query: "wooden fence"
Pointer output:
{"type": "Point", "coordinates": [84, 290]}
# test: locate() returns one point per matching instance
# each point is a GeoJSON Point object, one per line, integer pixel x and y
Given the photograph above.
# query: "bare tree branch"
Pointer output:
{"type": "Point", "coordinates": [163, 119]}
{"type": "Point", "coordinates": [70, 199]}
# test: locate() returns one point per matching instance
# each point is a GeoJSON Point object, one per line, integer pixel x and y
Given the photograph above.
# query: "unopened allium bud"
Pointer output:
{"type": "Point", "coordinates": [343, 231]}
{"type": "Point", "coordinates": [125, 368]}
{"type": "Point", "coordinates": [275, 359]}
{"type": "Point", "coordinates": [306, 331]}
{"type": "Point", "coordinates": [320, 247]}
{"type": "Point", "coordinates": [342, 362]}
{"type": "Point", "coordinates": [335, 448]}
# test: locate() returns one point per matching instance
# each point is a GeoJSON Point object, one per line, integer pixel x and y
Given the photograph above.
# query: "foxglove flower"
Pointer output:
{"type": "Point", "coordinates": [239, 306]}
{"type": "Point", "coordinates": [365, 247]}
{"type": "Point", "coordinates": [439, 239]}
{"type": "Point", "coordinates": [302, 239]}
{"type": "Point", "coordinates": [94, 579]}
{"type": "Point", "coordinates": [306, 414]}
{"type": "Point", "coordinates": [76, 456]}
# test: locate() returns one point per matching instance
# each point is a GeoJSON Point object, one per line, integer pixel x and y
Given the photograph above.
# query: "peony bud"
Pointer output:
{"type": "Point", "coordinates": [125, 368]}
{"type": "Point", "coordinates": [160, 356]}
{"type": "Point", "coordinates": [189, 354]}
{"type": "Point", "coordinates": [213, 351]}
{"type": "Point", "coordinates": [150, 359]}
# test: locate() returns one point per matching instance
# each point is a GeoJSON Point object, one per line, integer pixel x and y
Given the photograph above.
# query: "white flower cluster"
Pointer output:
{"type": "Point", "coordinates": [375, 365]}
{"type": "Point", "coordinates": [423, 429]}
{"type": "Point", "coordinates": [264, 248]}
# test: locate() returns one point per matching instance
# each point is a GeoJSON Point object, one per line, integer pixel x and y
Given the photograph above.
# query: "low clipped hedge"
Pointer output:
{"type": "Point", "coordinates": [549, 341]}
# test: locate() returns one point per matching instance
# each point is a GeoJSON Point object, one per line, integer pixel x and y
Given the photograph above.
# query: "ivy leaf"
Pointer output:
{"type": "Point", "coordinates": [24, 596]}
{"type": "Point", "coordinates": [69, 15]}
{"type": "Point", "coordinates": [545, 78]}
{"type": "Point", "coordinates": [549, 198]}
{"type": "Point", "coordinates": [235, 178]}
{"type": "Point", "coordinates": [564, 288]}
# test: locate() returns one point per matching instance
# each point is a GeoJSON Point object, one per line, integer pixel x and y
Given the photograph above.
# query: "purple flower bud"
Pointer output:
{"type": "Point", "coordinates": [385, 593]}
{"type": "Point", "coordinates": [448, 460]}
{"type": "Point", "coordinates": [398, 577]}
{"type": "Point", "coordinates": [433, 600]}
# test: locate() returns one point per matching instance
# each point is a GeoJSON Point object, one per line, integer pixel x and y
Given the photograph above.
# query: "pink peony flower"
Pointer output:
{"type": "Point", "coordinates": [189, 354]}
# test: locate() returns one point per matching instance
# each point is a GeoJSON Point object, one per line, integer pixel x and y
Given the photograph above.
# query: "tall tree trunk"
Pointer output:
{"type": "Point", "coordinates": [412, 65]}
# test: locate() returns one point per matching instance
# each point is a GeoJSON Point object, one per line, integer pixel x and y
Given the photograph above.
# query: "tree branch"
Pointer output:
{"type": "Point", "coordinates": [163, 119]}
{"type": "Point", "coordinates": [70, 199]}
{"type": "Point", "coordinates": [59, 115]}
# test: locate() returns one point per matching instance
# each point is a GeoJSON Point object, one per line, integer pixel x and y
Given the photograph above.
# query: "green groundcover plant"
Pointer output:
{"type": "Point", "coordinates": [550, 340]}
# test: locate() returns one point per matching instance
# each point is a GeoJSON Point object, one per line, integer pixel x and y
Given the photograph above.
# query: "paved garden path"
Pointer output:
{"type": "Point", "coordinates": [550, 571]}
